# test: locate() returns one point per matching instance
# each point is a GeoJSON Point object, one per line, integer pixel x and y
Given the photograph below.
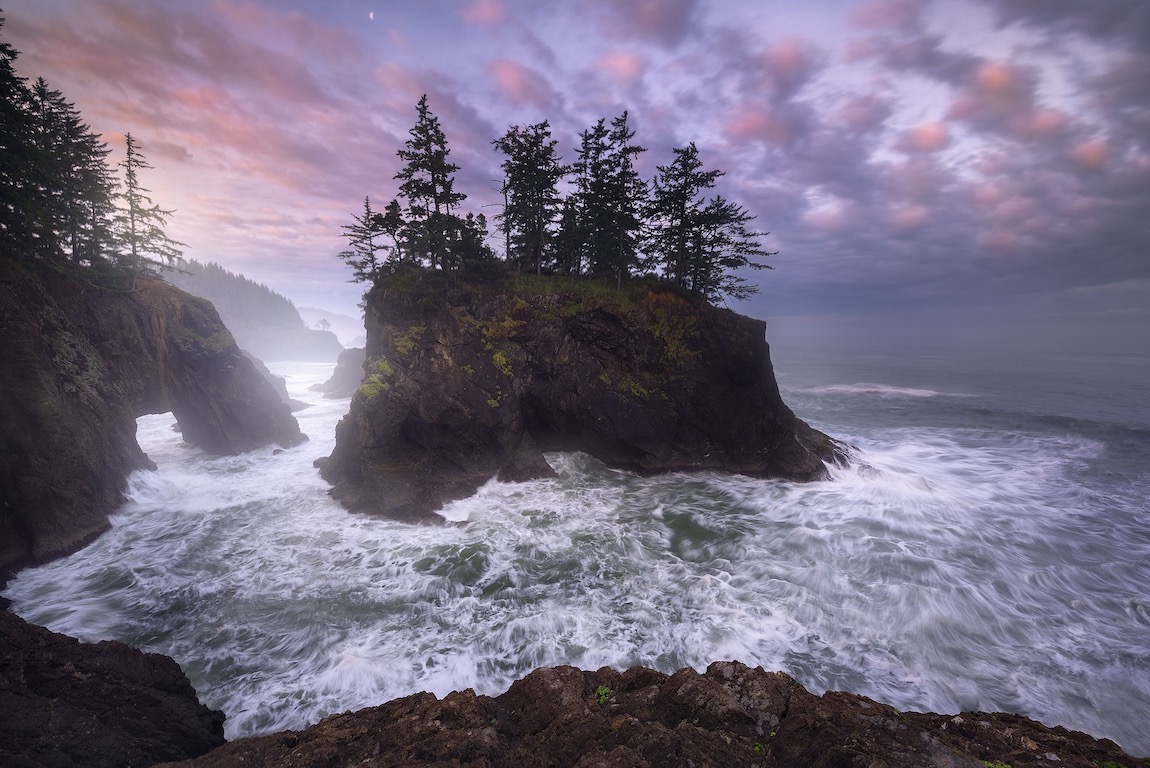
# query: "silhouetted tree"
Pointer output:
{"type": "Point", "coordinates": [698, 244]}
{"type": "Point", "coordinates": [532, 172]}
{"type": "Point", "coordinates": [428, 185]}
{"type": "Point", "coordinates": [141, 221]}
{"type": "Point", "coordinates": [610, 198]}
{"type": "Point", "coordinates": [363, 254]}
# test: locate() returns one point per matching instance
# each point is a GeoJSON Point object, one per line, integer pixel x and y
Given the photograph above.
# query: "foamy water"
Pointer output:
{"type": "Point", "coordinates": [964, 563]}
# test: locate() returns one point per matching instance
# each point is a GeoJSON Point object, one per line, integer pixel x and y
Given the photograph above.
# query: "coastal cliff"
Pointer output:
{"type": "Point", "coordinates": [78, 365]}
{"type": "Point", "coordinates": [466, 382]}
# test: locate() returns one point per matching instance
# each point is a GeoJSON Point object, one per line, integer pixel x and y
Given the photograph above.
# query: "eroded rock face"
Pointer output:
{"type": "Point", "coordinates": [730, 716]}
{"type": "Point", "coordinates": [466, 383]}
{"type": "Point", "coordinates": [67, 703]}
{"type": "Point", "coordinates": [77, 366]}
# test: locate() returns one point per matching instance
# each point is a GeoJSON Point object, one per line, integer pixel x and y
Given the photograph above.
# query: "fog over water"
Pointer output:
{"type": "Point", "coordinates": [989, 550]}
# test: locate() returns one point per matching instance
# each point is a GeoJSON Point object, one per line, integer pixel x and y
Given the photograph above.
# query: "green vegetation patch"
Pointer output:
{"type": "Point", "coordinates": [602, 693]}
{"type": "Point", "coordinates": [377, 382]}
{"type": "Point", "coordinates": [406, 341]}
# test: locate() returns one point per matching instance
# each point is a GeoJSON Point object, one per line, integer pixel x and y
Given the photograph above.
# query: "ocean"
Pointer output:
{"type": "Point", "coordinates": [988, 549]}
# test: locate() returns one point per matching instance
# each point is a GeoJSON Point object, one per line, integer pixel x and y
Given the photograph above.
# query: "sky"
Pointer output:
{"type": "Point", "coordinates": [932, 173]}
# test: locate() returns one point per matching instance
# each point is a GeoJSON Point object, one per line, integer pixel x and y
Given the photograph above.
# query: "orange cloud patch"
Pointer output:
{"type": "Point", "coordinates": [1091, 155]}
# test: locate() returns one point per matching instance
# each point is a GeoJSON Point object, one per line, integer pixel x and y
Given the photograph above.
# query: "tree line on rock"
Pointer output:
{"type": "Point", "coordinates": [595, 217]}
{"type": "Point", "coordinates": [61, 203]}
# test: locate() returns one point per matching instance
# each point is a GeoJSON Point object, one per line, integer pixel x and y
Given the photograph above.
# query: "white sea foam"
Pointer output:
{"type": "Point", "coordinates": [882, 390]}
{"type": "Point", "coordinates": [959, 568]}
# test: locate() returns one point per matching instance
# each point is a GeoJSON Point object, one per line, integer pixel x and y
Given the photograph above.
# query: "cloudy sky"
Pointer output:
{"type": "Point", "coordinates": [934, 173]}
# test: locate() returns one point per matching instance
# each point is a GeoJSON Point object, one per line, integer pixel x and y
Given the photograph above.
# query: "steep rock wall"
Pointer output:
{"type": "Point", "coordinates": [77, 366]}
{"type": "Point", "coordinates": [468, 382]}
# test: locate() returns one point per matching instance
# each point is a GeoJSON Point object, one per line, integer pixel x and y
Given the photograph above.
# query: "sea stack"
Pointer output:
{"type": "Point", "coordinates": [467, 381]}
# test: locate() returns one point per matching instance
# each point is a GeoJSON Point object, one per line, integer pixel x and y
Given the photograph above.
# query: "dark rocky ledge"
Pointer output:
{"type": "Point", "coordinates": [466, 382]}
{"type": "Point", "coordinates": [78, 364]}
{"type": "Point", "coordinates": [730, 716]}
{"type": "Point", "coordinates": [67, 703]}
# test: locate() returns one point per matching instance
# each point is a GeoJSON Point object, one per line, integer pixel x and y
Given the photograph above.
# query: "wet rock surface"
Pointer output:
{"type": "Point", "coordinates": [78, 365]}
{"type": "Point", "coordinates": [731, 715]}
{"type": "Point", "coordinates": [67, 703]}
{"type": "Point", "coordinates": [464, 383]}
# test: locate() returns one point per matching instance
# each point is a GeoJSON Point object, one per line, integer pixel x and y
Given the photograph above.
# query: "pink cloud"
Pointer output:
{"type": "Point", "coordinates": [908, 217]}
{"type": "Point", "coordinates": [1091, 155]}
{"type": "Point", "coordinates": [757, 126]}
{"type": "Point", "coordinates": [484, 12]}
{"type": "Point", "coordinates": [925, 138]}
{"type": "Point", "coordinates": [622, 66]}
{"type": "Point", "coordinates": [521, 84]}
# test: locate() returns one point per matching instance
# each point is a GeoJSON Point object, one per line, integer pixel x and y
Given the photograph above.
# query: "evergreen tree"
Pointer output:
{"type": "Point", "coordinates": [675, 211]}
{"type": "Point", "coordinates": [611, 198]}
{"type": "Point", "coordinates": [363, 255]}
{"type": "Point", "coordinates": [699, 243]}
{"type": "Point", "coordinates": [141, 221]}
{"type": "Point", "coordinates": [71, 189]}
{"type": "Point", "coordinates": [592, 221]}
{"type": "Point", "coordinates": [15, 152]}
{"type": "Point", "coordinates": [531, 172]}
{"type": "Point", "coordinates": [428, 185]}
{"type": "Point", "coordinates": [628, 198]}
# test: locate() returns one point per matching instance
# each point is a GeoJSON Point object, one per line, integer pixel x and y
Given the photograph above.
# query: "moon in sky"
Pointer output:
{"type": "Point", "coordinates": [371, 15]}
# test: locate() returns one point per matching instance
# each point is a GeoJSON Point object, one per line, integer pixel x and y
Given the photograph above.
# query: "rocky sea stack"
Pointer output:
{"type": "Point", "coordinates": [466, 381]}
{"type": "Point", "coordinates": [78, 365]}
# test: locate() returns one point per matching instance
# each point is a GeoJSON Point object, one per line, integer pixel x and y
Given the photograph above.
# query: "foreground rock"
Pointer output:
{"type": "Point", "coordinates": [78, 364]}
{"type": "Point", "coordinates": [67, 703]}
{"type": "Point", "coordinates": [468, 382]}
{"type": "Point", "coordinates": [730, 716]}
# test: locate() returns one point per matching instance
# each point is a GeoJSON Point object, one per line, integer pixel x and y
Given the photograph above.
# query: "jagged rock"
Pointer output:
{"type": "Point", "coordinates": [346, 377]}
{"type": "Point", "coordinates": [469, 382]}
{"type": "Point", "coordinates": [77, 366]}
{"type": "Point", "coordinates": [730, 716]}
{"type": "Point", "coordinates": [67, 703]}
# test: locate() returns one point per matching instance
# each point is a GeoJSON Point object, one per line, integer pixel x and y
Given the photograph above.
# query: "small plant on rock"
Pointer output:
{"type": "Point", "coordinates": [602, 693]}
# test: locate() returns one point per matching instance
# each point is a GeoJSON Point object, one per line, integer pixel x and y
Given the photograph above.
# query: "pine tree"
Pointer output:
{"type": "Point", "coordinates": [71, 190]}
{"type": "Point", "coordinates": [611, 197]}
{"type": "Point", "coordinates": [698, 244]}
{"type": "Point", "coordinates": [532, 172]}
{"type": "Point", "coordinates": [141, 221]}
{"type": "Point", "coordinates": [16, 154]}
{"type": "Point", "coordinates": [628, 198]}
{"type": "Point", "coordinates": [428, 185]}
{"type": "Point", "coordinates": [363, 255]}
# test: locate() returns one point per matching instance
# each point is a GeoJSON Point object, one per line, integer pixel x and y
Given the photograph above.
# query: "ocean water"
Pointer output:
{"type": "Point", "coordinates": [988, 549]}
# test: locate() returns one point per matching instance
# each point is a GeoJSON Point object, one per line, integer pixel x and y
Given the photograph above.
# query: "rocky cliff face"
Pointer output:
{"type": "Point", "coordinates": [469, 382]}
{"type": "Point", "coordinates": [730, 716]}
{"type": "Point", "coordinates": [67, 703]}
{"type": "Point", "coordinates": [77, 366]}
